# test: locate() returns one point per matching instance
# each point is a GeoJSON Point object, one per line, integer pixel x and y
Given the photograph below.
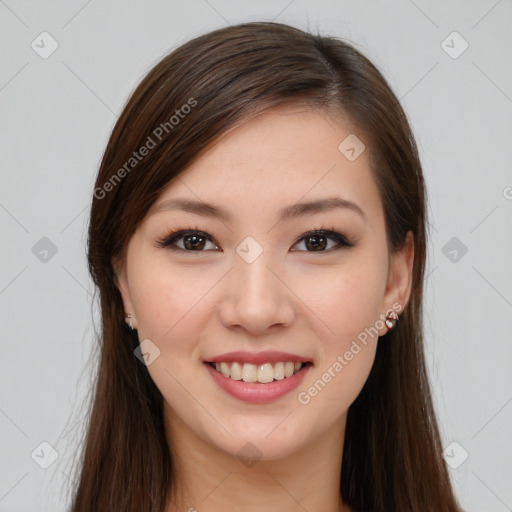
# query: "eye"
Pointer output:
{"type": "Point", "coordinates": [195, 240]}
{"type": "Point", "coordinates": [316, 240]}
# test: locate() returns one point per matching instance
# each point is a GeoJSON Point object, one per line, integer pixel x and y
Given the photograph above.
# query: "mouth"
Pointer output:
{"type": "Point", "coordinates": [264, 373]}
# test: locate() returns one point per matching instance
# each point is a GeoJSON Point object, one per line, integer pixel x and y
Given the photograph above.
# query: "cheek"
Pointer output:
{"type": "Point", "coordinates": [339, 380]}
{"type": "Point", "coordinates": [348, 302]}
{"type": "Point", "coordinates": [166, 299]}
{"type": "Point", "coordinates": [346, 298]}
{"type": "Point", "coordinates": [170, 305]}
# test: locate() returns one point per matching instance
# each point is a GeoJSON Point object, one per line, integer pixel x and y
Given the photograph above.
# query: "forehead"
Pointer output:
{"type": "Point", "coordinates": [281, 157]}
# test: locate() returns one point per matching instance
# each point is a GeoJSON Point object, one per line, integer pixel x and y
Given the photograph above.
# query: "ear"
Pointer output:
{"type": "Point", "coordinates": [399, 284]}
{"type": "Point", "coordinates": [121, 281]}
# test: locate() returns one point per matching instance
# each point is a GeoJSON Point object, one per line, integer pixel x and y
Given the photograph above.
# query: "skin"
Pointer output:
{"type": "Point", "coordinates": [291, 298]}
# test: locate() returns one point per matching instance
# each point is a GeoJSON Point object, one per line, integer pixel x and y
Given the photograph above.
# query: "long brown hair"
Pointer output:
{"type": "Point", "coordinates": [392, 453]}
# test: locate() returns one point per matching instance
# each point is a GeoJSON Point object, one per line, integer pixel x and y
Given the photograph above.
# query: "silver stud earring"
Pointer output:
{"type": "Point", "coordinates": [391, 319]}
{"type": "Point", "coordinates": [128, 320]}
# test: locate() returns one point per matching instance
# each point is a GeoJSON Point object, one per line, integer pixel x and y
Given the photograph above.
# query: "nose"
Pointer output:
{"type": "Point", "coordinates": [256, 297]}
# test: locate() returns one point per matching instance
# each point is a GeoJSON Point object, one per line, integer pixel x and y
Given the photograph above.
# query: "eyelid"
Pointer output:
{"type": "Point", "coordinates": [341, 240]}
{"type": "Point", "coordinates": [168, 241]}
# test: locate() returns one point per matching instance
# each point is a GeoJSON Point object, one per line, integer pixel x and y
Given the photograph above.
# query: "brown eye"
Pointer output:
{"type": "Point", "coordinates": [317, 241]}
{"type": "Point", "coordinates": [193, 241]}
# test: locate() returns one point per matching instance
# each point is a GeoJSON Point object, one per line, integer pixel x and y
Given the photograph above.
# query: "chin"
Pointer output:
{"type": "Point", "coordinates": [261, 441]}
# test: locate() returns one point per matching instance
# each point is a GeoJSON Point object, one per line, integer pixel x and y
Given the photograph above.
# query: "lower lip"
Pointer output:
{"type": "Point", "coordinates": [256, 392]}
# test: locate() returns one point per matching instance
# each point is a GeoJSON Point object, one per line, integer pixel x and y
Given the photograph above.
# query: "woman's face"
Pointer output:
{"type": "Point", "coordinates": [254, 281]}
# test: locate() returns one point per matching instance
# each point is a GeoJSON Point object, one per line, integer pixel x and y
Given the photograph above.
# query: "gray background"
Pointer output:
{"type": "Point", "coordinates": [57, 113]}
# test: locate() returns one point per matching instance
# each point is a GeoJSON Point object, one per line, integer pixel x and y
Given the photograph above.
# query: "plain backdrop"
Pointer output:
{"type": "Point", "coordinates": [67, 69]}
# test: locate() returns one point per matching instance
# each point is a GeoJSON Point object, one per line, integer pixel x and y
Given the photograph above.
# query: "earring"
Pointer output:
{"type": "Point", "coordinates": [128, 320]}
{"type": "Point", "coordinates": [391, 319]}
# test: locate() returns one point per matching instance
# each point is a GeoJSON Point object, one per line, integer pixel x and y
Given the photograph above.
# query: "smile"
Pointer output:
{"type": "Point", "coordinates": [242, 380]}
{"type": "Point", "coordinates": [263, 373]}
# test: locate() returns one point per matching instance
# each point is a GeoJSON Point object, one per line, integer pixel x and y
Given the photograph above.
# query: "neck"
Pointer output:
{"type": "Point", "coordinates": [211, 480]}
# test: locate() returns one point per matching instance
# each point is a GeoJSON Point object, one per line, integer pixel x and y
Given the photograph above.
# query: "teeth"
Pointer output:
{"type": "Point", "coordinates": [224, 369]}
{"type": "Point", "coordinates": [249, 373]}
{"type": "Point", "coordinates": [236, 371]}
{"type": "Point", "coordinates": [263, 373]}
{"type": "Point", "coordinates": [279, 371]}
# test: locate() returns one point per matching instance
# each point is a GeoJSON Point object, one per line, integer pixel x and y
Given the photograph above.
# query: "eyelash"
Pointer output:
{"type": "Point", "coordinates": [168, 241]}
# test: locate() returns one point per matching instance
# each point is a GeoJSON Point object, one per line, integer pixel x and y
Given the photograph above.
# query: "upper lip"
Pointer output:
{"type": "Point", "coordinates": [258, 357]}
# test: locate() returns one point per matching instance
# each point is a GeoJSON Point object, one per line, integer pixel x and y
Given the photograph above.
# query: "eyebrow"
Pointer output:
{"type": "Point", "coordinates": [286, 213]}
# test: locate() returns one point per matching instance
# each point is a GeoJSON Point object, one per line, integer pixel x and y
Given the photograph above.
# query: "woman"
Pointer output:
{"type": "Point", "coordinates": [258, 240]}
